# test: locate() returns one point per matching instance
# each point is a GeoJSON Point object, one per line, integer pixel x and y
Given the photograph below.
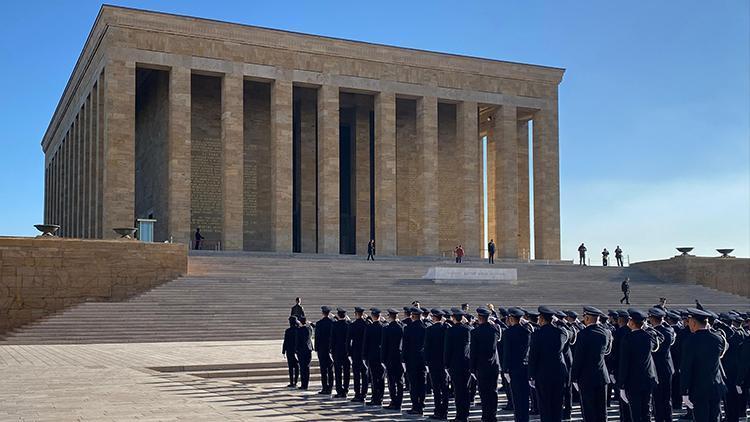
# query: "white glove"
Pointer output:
{"type": "Point", "coordinates": [507, 377]}
{"type": "Point", "coordinates": [624, 396]}
{"type": "Point", "coordinates": [739, 390]}
{"type": "Point", "coordinates": [688, 403]}
{"type": "Point", "coordinates": [575, 385]}
{"type": "Point", "coordinates": [532, 384]}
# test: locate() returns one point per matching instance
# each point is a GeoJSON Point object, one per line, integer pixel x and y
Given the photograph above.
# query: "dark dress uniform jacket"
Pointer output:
{"type": "Point", "coordinates": [413, 345]}
{"type": "Point", "coordinates": [355, 340]}
{"type": "Point", "coordinates": [303, 344]}
{"type": "Point", "coordinates": [289, 345]}
{"type": "Point", "coordinates": [546, 364]}
{"type": "Point", "coordinates": [663, 355]}
{"type": "Point", "coordinates": [457, 348]}
{"type": "Point", "coordinates": [700, 370]}
{"type": "Point", "coordinates": [323, 335]}
{"type": "Point", "coordinates": [589, 367]}
{"type": "Point", "coordinates": [515, 343]}
{"type": "Point", "coordinates": [637, 371]}
{"type": "Point", "coordinates": [434, 341]}
{"type": "Point", "coordinates": [391, 345]}
{"type": "Point", "coordinates": [372, 341]}
{"type": "Point", "coordinates": [338, 339]}
{"type": "Point", "coordinates": [483, 348]}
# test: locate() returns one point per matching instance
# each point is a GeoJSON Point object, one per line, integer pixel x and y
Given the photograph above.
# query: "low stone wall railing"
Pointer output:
{"type": "Point", "coordinates": [730, 275]}
{"type": "Point", "coordinates": [39, 276]}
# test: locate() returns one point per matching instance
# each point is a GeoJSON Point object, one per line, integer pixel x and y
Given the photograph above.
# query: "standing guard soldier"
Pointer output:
{"type": "Point", "coordinates": [735, 402]}
{"type": "Point", "coordinates": [288, 349]}
{"type": "Point", "coordinates": [355, 349]}
{"type": "Point", "coordinates": [621, 321]}
{"type": "Point", "coordinates": [485, 364]}
{"type": "Point", "coordinates": [637, 373]}
{"type": "Point", "coordinates": [701, 375]}
{"type": "Point", "coordinates": [568, 359]}
{"type": "Point", "coordinates": [304, 349]}
{"type": "Point", "coordinates": [434, 341]}
{"type": "Point", "coordinates": [515, 362]}
{"type": "Point", "coordinates": [341, 363]}
{"type": "Point", "coordinates": [371, 344]}
{"type": "Point", "coordinates": [458, 362]}
{"type": "Point", "coordinates": [664, 366]}
{"type": "Point", "coordinates": [413, 357]}
{"type": "Point", "coordinates": [589, 375]}
{"type": "Point", "coordinates": [547, 371]}
{"type": "Point", "coordinates": [390, 350]}
{"type": "Point", "coordinates": [675, 321]}
{"type": "Point", "coordinates": [323, 349]}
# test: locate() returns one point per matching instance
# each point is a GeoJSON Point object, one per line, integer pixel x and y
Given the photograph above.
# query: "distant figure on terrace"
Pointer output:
{"type": "Point", "coordinates": [297, 309]}
{"type": "Point", "coordinates": [198, 238]}
{"type": "Point", "coordinates": [625, 287]}
{"type": "Point", "coordinates": [605, 257]}
{"type": "Point", "coordinates": [582, 255]}
{"type": "Point", "coordinates": [491, 250]}
{"type": "Point", "coordinates": [459, 254]}
{"type": "Point", "coordinates": [371, 250]}
{"type": "Point", "coordinates": [618, 256]}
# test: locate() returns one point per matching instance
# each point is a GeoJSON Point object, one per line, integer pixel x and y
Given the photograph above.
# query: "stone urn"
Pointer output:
{"type": "Point", "coordinates": [724, 252]}
{"type": "Point", "coordinates": [125, 232]}
{"type": "Point", "coordinates": [48, 230]}
{"type": "Point", "coordinates": [685, 250]}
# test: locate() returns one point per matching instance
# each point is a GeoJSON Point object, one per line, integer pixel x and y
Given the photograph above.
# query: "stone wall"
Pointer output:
{"type": "Point", "coordinates": [257, 170]}
{"type": "Point", "coordinates": [42, 276]}
{"type": "Point", "coordinates": [726, 274]}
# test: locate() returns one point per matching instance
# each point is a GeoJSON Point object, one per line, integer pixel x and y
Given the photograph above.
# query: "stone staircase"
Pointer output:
{"type": "Point", "coordinates": [243, 296]}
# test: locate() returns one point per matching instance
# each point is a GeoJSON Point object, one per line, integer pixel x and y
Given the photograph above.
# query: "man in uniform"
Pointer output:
{"type": "Point", "coordinates": [637, 373]}
{"type": "Point", "coordinates": [288, 348]}
{"type": "Point", "coordinates": [589, 375]}
{"type": "Point", "coordinates": [515, 362]}
{"type": "Point", "coordinates": [304, 349]}
{"type": "Point", "coordinates": [323, 349]}
{"type": "Point", "coordinates": [458, 362]}
{"type": "Point", "coordinates": [297, 309]}
{"type": "Point", "coordinates": [485, 364]}
{"type": "Point", "coordinates": [372, 341]}
{"type": "Point", "coordinates": [735, 402]}
{"type": "Point", "coordinates": [547, 371]}
{"type": "Point", "coordinates": [355, 346]}
{"type": "Point", "coordinates": [413, 357]}
{"type": "Point", "coordinates": [434, 341]}
{"type": "Point", "coordinates": [390, 355]}
{"type": "Point", "coordinates": [701, 379]}
{"type": "Point", "coordinates": [664, 367]}
{"type": "Point", "coordinates": [675, 322]}
{"type": "Point", "coordinates": [341, 363]}
{"type": "Point", "coordinates": [613, 364]}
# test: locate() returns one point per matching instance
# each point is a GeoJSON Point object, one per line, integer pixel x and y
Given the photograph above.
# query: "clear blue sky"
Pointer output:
{"type": "Point", "coordinates": [654, 106]}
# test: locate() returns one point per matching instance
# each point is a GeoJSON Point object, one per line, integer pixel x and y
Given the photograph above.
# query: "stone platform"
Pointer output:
{"type": "Point", "coordinates": [470, 275]}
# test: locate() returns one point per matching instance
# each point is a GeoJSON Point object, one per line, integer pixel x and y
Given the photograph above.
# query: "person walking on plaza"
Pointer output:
{"type": "Point", "coordinates": [582, 255]}
{"type": "Point", "coordinates": [371, 250]}
{"type": "Point", "coordinates": [625, 287]}
{"type": "Point", "coordinates": [618, 256]}
{"type": "Point", "coordinates": [491, 250]}
{"type": "Point", "coordinates": [288, 349]}
{"type": "Point", "coordinates": [297, 309]}
{"type": "Point", "coordinates": [605, 257]}
{"type": "Point", "coordinates": [198, 239]}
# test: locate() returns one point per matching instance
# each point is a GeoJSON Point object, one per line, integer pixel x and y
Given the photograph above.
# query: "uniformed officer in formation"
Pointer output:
{"type": "Point", "coordinates": [708, 354]}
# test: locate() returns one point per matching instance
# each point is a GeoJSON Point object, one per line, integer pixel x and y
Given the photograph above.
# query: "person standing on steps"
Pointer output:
{"type": "Point", "coordinates": [618, 256]}
{"type": "Point", "coordinates": [605, 257]}
{"type": "Point", "coordinates": [625, 287]}
{"type": "Point", "coordinates": [297, 309]}
{"type": "Point", "coordinates": [582, 255]}
{"type": "Point", "coordinates": [491, 250]}
{"type": "Point", "coordinates": [198, 238]}
{"type": "Point", "coordinates": [288, 349]}
{"type": "Point", "coordinates": [459, 254]}
{"type": "Point", "coordinates": [371, 250]}
{"type": "Point", "coordinates": [304, 347]}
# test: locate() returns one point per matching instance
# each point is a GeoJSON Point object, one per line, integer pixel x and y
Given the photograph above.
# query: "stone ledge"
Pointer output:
{"type": "Point", "coordinates": [730, 275]}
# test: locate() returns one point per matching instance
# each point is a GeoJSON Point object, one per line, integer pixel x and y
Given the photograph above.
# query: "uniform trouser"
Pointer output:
{"type": "Point", "coordinates": [460, 381]}
{"type": "Point", "coordinates": [472, 390]}
{"type": "Point", "coordinates": [492, 258]}
{"type": "Point", "coordinates": [439, 383]}
{"type": "Point", "coordinates": [567, 398]}
{"type": "Point", "coordinates": [594, 402]}
{"type": "Point", "coordinates": [359, 371]}
{"type": "Point", "coordinates": [624, 408]}
{"type": "Point", "coordinates": [293, 366]}
{"type": "Point", "coordinates": [377, 380]}
{"type": "Point", "coordinates": [416, 374]}
{"type": "Point", "coordinates": [519, 392]}
{"type": "Point", "coordinates": [487, 386]}
{"type": "Point", "coordinates": [326, 371]}
{"type": "Point", "coordinates": [676, 396]}
{"type": "Point", "coordinates": [342, 368]}
{"type": "Point", "coordinates": [304, 368]}
{"type": "Point", "coordinates": [619, 261]}
{"type": "Point", "coordinates": [639, 405]}
{"type": "Point", "coordinates": [705, 410]}
{"type": "Point", "coordinates": [735, 405]}
{"type": "Point", "coordinates": [396, 384]}
{"type": "Point", "coordinates": [550, 400]}
{"type": "Point", "coordinates": [508, 393]}
{"type": "Point", "coordinates": [663, 400]}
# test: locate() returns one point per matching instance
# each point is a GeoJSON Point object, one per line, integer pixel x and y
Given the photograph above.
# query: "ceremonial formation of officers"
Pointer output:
{"type": "Point", "coordinates": [649, 364]}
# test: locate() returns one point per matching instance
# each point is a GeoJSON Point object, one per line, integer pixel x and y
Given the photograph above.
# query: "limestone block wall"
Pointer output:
{"type": "Point", "coordinates": [257, 170]}
{"type": "Point", "coordinates": [726, 274]}
{"type": "Point", "coordinates": [41, 276]}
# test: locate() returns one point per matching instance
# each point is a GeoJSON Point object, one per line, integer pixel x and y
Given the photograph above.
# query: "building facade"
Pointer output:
{"type": "Point", "coordinates": [276, 141]}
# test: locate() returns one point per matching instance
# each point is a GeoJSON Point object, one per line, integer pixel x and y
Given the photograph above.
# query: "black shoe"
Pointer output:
{"type": "Point", "coordinates": [324, 392]}
{"type": "Point", "coordinates": [415, 412]}
{"type": "Point", "coordinates": [392, 407]}
{"type": "Point", "coordinates": [439, 417]}
{"type": "Point", "coordinates": [291, 385]}
{"type": "Point", "coordinates": [301, 388]}
{"type": "Point", "coordinates": [374, 403]}
{"type": "Point", "coordinates": [357, 399]}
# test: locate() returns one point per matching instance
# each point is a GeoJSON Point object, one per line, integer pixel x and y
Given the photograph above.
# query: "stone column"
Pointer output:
{"type": "Point", "coordinates": [546, 185]}
{"type": "Point", "coordinates": [524, 217]}
{"type": "Point", "coordinates": [75, 206]}
{"type": "Point", "coordinates": [85, 169]}
{"type": "Point", "coordinates": [385, 173]}
{"type": "Point", "coordinates": [88, 160]}
{"type": "Point", "coordinates": [362, 171]}
{"type": "Point", "coordinates": [179, 150]}
{"type": "Point", "coordinates": [281, 166]}
{"type": "Point", "coordinates": [119, 147]}
{"type": "Point", "coordinates": [506, 193]}
{"type": "Point", "coordinates": [232, 142]}
{"type": "Point", "coordinates": [427, 164]}
{"type": "Point", "coordinates": [328, 170]}
{"type": "Point", "coordinates": [467, 129]}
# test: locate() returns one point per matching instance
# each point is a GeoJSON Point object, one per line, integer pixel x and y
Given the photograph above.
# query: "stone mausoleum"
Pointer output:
{"type": "Point", "coordinates": [271, 140]}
